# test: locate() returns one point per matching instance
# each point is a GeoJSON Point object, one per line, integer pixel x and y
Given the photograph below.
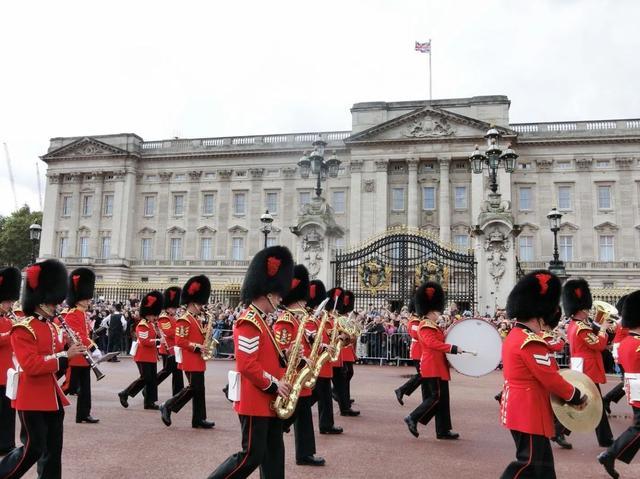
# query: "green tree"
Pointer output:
{"type": "Point", "coordinates": [15, 245]}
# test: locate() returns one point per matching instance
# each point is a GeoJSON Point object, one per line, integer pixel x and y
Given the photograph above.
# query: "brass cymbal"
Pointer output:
{"type": "Point", "coordinates": [569, 416]}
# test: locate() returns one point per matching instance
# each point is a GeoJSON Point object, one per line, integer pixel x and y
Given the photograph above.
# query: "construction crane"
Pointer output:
{"type": "Point", "coordinates": [13, 185]}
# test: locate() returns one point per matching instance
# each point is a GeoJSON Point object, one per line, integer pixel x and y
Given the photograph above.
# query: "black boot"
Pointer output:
{"type": "Point", "coordinates": [124, 399]}
{"type": "Point", "coordinates": [411, 424]}
{"type": "Point", "coordinates": [608, 462]}
{"type": "Point", "coordinates": [561, 441]}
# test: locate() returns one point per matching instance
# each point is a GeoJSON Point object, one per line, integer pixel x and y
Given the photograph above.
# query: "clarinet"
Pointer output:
{"type": "Point", "coordinates": [73, 338]}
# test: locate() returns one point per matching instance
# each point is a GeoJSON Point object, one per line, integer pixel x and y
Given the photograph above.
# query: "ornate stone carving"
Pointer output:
{"type": "Point", "coordinates": [429, 127]}
{"type": "Point", "coordinates": [165, 175]}
{"type": "Point", "coordinates": [412, 164]}
{"type": "Point", "coordinates": [544, 164]}
{"type": "Point", "coordinates": [238, 229]}
{"type": "Point", "coordinates": [289, 172]}
{"type": "Point", "coordinates": [583, 163]}
{"type": "Point", "coordinates": [369, 185]}
{"type": "Point", "coordinates": [381, 165]}
{"type": "Point", "coordinates": [54, 178]}
{"type": "Point", "coordinates": [195, 175]}
{"type": "Point", "coordinates": [624, 162]}
{"type": "Point", "coordinates": [313, 260]}
{"type": "Point", "coordinates": [119, 175]}
{"type": "Point", "coordinates": [139, 177]}
{"type": "Point", "coordinates": [356, 166]}
{"type": "Point", "coordinates": [256, 172]}
{"type": "Point", "coordinates": [225, 174]}
{"type": "Point", "coordinates": [497, 267]}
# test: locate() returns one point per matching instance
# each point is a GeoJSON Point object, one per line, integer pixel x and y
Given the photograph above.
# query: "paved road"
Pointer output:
{"type": "Point", "coordinates": [133, 443]}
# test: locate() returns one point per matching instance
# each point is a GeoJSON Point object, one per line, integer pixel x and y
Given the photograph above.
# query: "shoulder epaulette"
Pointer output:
{"type": "Point", "coordinates": [547, 335]}
{"type": "Point", "coordinates": [427, 323]}
{"type": "Point", "coordinates": [26, 323]}
{"type": "Point", "coordinates": [184, 317]}
{"type": "Point", "coordinates": [163, 314]}
{"type": "Point", "coordinates": [285, 318]}
{"type": "Point", "coordinates": [582, 326]}
{"type": "Point", "coordinates": [532, 338]}
{"type": "Point", "coordinates": [143, 322]}
{"type": "Point", "coordinates": [252, 317]}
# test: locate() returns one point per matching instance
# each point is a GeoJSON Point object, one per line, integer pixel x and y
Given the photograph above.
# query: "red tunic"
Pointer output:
{"type": "Point", "coordinates": [189, 333]}
{"type": "Point", "coordinates": [621, 333]}
{"type": "Point", "coordinates": [348, 354]}
{"type": "Point", "coordinates": [35, 342]}
{"type": "Point", "coordinates": [6, 351]}
{"type": "Point", "coordinates": [585, 344]}
{"type": "Point", "coordinates": [433, 360]}
{"type": "Point", "coordinates": [312, 326]}
{"type": "Point", "coordinates": [415, 351]}
{"type": "Point", "coordinates": [629, 358]}
{"type": "Point", "coordinates": [147, 345]}
{"type": "Point", "coordinates": [530, 375]}
{"type": "Point", "coordinates": [167, 324]}
{"type": "Point", "coordinates": [257, 361]}
{"type": "Point", "coordinates": [285, 331]}
{"type": "Point", "coordinates": [76, 319]}
{"type": "Point", "coordinates": [555, 344]}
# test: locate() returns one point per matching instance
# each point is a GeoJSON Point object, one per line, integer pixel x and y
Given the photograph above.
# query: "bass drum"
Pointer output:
{"type": "Point", "coordinates": [480, 337]}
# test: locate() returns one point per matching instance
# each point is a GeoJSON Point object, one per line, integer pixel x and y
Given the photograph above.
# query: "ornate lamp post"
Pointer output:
{"type": "Point", "coordinates": [317, 165]}
{"type": "Point", "coordinates": [556, 265]}
{"type": "Point", "coordinates": [493, 158]}
{"type": "Point", "coordinates": [266, 219]}
{"type": "Point", "coordinates": [34, 235]}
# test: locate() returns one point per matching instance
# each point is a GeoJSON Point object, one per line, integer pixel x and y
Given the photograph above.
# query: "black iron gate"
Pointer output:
{"type": "Point", "coordinates": [385, 271]}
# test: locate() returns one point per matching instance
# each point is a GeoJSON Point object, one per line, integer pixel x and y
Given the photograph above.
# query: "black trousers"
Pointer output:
{"type": "Point", "coordinates": [435, 402]}
{"type": "Point", "coordinates": [322, 393]}
{"type": "Point", "coordinates": [115, 342]}
{"type": "Point", "coordinates": [146, 381]}
{"type": "Point", "coordinates": [615, 394]}
{"type": "Point", "coordinates": [534, 458]}
{"type": "Point", "coordinates": [603, 430]}
{"type": "Point", "coordinates": [626, 446]}
{"type": "Point", "coordinates": [339, 381]}
{"type": "Point", "coordinates": [413, 382]}
{"type": "Point", "coordinates": [41, 437]}
{"type": "Point", "coordinates": [170, 368]}
{"type": "Point", "coordinates": [7, 422]}
{"type": "Point", "coordinates": [80, 383]}
{"type": "Point", "coordinates": [262, 446]}
{"type": "Point", "coordinates": [195, 390]}
{"type": "Point", "coordinates": [302, 421]}
{"type": "Point", "coordinates": [348, 365]}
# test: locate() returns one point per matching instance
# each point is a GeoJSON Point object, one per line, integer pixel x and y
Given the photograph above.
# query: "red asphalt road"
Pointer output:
{"type": "Point", "coordinates": [133, 443]}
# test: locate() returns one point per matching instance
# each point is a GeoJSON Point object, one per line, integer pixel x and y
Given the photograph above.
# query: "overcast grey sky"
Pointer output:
{"type": "Point", "coordinates": [204, 69]}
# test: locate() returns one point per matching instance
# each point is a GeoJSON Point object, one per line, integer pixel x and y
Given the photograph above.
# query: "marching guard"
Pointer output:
{"type": "Point", "coordinates": [167, 328]}
{"type": "Point", "coordinates": [190, 340]}
{"type": "Point", "coordinates": [586, 343]}
{"type": "Point", "coordinates": [617, 392]}
{"type": "Point", "coordinates": [79, 294]}
{"type": "Point", "coordinates": [146, 353]}
{"type": "Point", "coordinates": [415, 352]}
{"type": "Point", "coordinates": [342, 375]}
{"type": "Point", "coordinates": [260, 365]}
{"type": "Point", "coordinates": [286, 329]}
{"type": "Point", "coordinates": [626, 446]}
{"type": "Point", "coordinates": [9, 293]}
{"type": "Point", "coordinates": [434, 368]}
{"type": "Point", "coordinates": [530, 376]}
{"type": "Point", "coordinates": [39, 400]}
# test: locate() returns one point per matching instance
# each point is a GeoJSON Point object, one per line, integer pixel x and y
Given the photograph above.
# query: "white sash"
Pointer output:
{"type": "Point", "coordinates": [234, 386]}
{"type": "Point", "coordinates": [577, 364]}
{"type": "Point", "coordinates": [632, 385]}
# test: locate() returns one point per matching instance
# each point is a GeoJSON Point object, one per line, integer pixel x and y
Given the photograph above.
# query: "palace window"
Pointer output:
{"type": "Point", "coordinates": [149, 205]}
{"type": "Point", "coordinates": [272, 241]}
{"type": "Point", "coordinates": [175, 249]}
{"type": "Point", "coordinates": [338, 200]}
{"type": "Point", "coordinates": [564, 197]}
{"type": "Point", "coordinates": [208, 204]}
{"type": "Point", "coordinates": [604, 197]}
{"type": "Point", "coordinates": [237, 249]}
{"type": "Point", "coordinates": [66, 205]}
{"type": "Point", "coordinates": [206, 249]}
{"type": "Point", "coordinates": [460, 197]}
{"type": "Point", "coordinates": [145, 248]}
{"type": "Point", "coordinates": [340, 243]}
{"type": "Point", "coordinates": [526, 248]}
{"type": "Point", "coordinates": [105, 247]}
{"type": "Point", "coordinates": [606, 248]}
{"type": "Point", "coordinates": [239, 204]}
{"type": "Point", "coordinates": [524, 198]}
{"type": "Point", "coordinates": [63, 247]}
{"type": "Point", "coordinates": [84, 247]}
{"type": "Point", "coordinates": [271, 200]}
{"type": "Point", "coordinates": [107, 207]}
{"type": "Point", "coordinates": [461, 241]}
{"type": "Point", "coordinates": [87, 203]}
{"type": "Point", "coordinates": [565, 245]}
{"type": "Point", "coordinates": [304, 197]}
{"type": "Point", "coordinates": [178, 205]}
{"type": "Point", "coordinates": [428, 197]}
{"type": "Point", "coordinates": [397, 199]}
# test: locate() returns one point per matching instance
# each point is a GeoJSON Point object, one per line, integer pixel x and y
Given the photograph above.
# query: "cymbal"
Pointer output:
{"type": "Point", "coordinates": [569, 416]}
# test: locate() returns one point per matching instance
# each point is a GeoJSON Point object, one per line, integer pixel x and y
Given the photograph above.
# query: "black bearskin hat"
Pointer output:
{"type": "Point", "coordinates": [631, 310]}
{"type": "Point", "coordinates": [196, 290]}
{"type": "Point", "coordinates": [620, 304]}
{"type": "Point", "coordinates": [317, 293]}
{"type": "Point", "coordinates": [82, 282]}
{"type": "Point", "coordinates": [429, 297]}
{"type": "Point", "coordinates": [151, 304]}
{"type": "Point", "coordinates": [10, 284]}
{"type": "Point", "coordinates": [45, 283]}
{"type": "Point", "coordinates": [270, 271]}
{"type": "Point", "coordinates": [335, 295]}
{"type": "Point", "coordinates": [536, 295]}
{"type": "Point", "coordinates": [299, 286]}
{"type": "Point", "coordinates": [576, 296]}
{"type": "Point", "coordinates": [347, 302]}
{"type": "Point", "coordinates": [172, 297]}
{"type": "Point", "coordinates": [553, 320]}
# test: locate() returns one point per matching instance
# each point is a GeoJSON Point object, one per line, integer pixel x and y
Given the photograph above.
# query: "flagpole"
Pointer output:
{"type": "Point", "coordinates": [430, 93]}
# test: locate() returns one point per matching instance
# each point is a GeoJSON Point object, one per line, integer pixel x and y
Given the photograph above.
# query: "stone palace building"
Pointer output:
{"type": "Point", "coordinates": [159, 211]}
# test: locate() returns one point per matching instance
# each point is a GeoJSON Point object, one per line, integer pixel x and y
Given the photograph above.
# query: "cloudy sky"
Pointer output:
{"type": "Point", "coordinates": [215, 68]}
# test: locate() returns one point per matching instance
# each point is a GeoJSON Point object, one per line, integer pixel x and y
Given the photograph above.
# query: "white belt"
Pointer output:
{"type": "Point", "coordinates": [414, 340]}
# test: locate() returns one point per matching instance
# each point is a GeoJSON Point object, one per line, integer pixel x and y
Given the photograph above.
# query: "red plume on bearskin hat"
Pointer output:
{"type": "Point", "coordinates": [317, 293]}
{"type": "Point", "coordinates": [45, 283]}
{"type": "Point", "coordinates": [270, 271]}
{"type": "Point", "coordinates": [536, 295]}
{"type": "Point", "coordinates": [631, 310]}
{"type": "Point", "coordinates": [429, 297]}
{"type": "Point", "coordinates": [172, 297]}
{"type": "Point", "coordinates": [10, 284]}
{"type": "Point", "coordinates": [151, 304]}
{"type": "Point", "coordinates": [335, 297]}
{"type": "Point", "coordinates": [82, 282]}
{"type": "Point", "coordinates": [299, 285]}
{"type": "Point", "coordinates": [196, 290]}
{"type": "Point", "coordinates": [576, 296]}
{"type": "Point", "coordinates": [347, 302]}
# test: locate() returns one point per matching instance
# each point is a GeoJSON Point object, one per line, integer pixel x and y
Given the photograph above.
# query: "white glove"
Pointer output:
{"type": "Point", "coordinates": [96, 354]}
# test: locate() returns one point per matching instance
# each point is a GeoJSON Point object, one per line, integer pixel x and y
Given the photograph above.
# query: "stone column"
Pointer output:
{"type": "Point", "coordinates": [124, 208]}
{"type": "Point", "coordinates": [382, 203]}
{"type": "Point", "coordinates": [50, 217]}
{"type": "Point", "coordinates": [355, 210]}
{"type": "Point", "coordinates": [413, 201]}
{"type": "Point", "coordinates": [76, 211]}
{"type": "Point", "coordinates": [444, 205]}
{"type": "Point", "coordinates": [96, 215]}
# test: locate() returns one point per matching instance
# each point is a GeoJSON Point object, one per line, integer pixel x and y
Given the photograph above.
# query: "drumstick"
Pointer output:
{"type": "Point", "coordinates": [473, 353]}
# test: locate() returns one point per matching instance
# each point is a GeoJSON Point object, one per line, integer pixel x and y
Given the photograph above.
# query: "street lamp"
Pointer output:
{"type": "Point", "coordinates": [493, 158]}
{"type": "Point", "coordinates": [35, 231]}
{"type": "Point", "coordinates": [316, 165]}
{"type": "Point", "coordinates": [266, 219]}
{"type": "Point", "coordinates": [556, 265]}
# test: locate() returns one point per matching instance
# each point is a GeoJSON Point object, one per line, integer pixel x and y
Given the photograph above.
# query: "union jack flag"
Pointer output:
{"type": "Point", "coordinates": [423, 47]}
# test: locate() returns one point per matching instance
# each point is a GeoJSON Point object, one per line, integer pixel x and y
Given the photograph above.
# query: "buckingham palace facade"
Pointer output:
{"type": "Point", "coordinates": [162, 210]}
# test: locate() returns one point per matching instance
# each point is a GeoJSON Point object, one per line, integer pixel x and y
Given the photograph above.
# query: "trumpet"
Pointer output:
{"type": "Point", "coordinates": [73, 339]}
{"type": "Point", "coordinates": [604, 315]}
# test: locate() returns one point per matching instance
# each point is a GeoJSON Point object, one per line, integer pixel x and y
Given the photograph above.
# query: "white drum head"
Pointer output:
{"type": "Point", "coordinates": [480, 337]}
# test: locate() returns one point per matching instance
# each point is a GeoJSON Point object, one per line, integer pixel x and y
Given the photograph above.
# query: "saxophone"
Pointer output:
{"type": "Point", "coordinates": [346, 326]}
{"type": "Point", "coordinates": [210, 344]}
{"type": "Point", "coordinates": [284, 407]}
{"type": "Point", "coordinates": [325, 356]}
